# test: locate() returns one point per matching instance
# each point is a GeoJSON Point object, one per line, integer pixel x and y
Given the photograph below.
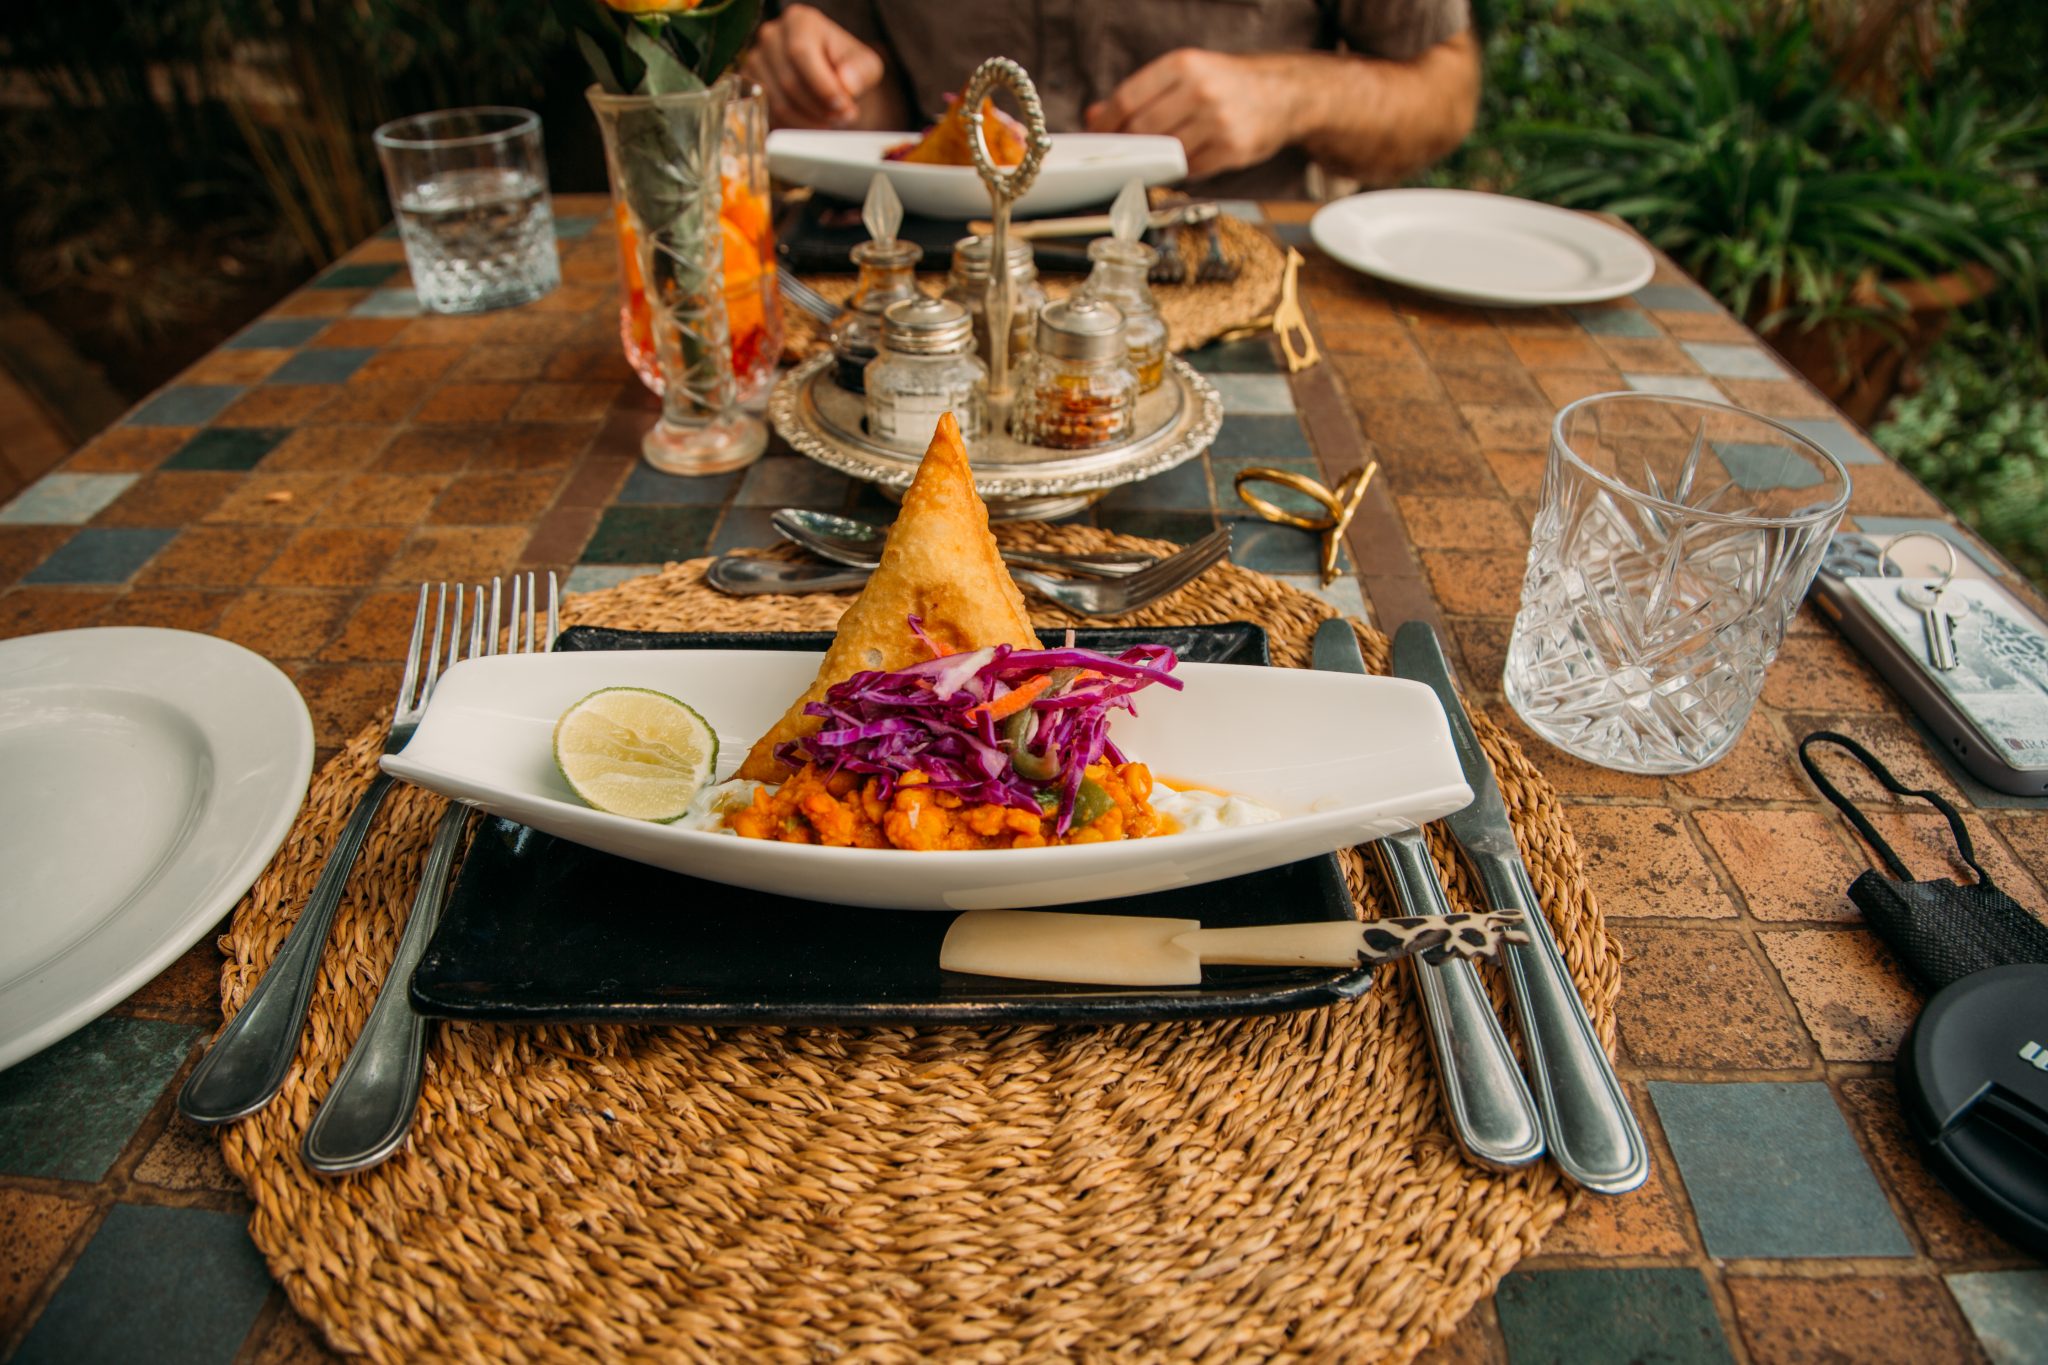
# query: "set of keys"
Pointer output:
{"type": "Point", "coordinates": [1940, 605]}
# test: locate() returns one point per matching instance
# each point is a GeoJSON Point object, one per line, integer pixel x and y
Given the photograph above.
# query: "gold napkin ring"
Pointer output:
{"type": "Point", "coordinates": [1341, 504]}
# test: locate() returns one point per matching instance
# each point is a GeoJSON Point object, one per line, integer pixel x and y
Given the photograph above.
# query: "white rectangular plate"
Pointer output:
{"type": "Point", "coordinates": [1344, 758]}
{"type": "Point", "coordinates": [1082, 170]}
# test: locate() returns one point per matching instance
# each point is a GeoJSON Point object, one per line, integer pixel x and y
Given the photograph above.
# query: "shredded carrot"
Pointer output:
{"type": "Point", "coordinates": [1014, 700]}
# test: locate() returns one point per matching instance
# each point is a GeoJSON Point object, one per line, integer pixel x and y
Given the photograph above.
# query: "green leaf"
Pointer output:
{"type": "Point", "coordinates": [600, 64]}
{"type": "Point", "coordinates": [666, 75]}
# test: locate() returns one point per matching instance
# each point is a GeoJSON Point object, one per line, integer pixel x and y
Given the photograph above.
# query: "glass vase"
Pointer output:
{"type": "Point", "coordinates": [665, 155]}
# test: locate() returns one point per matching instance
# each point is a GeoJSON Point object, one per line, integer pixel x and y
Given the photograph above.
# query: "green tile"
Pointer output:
{"type": "Point", "coordinates": [1758, 465]}
{"type": "Point", "coordinates": [646, 484]}
{"type": "Point", "coordinates": [165, 1285]}
{"type": "Point", "coordinates": [101, 555]}
{"type": "Point", "coordinates": [649, 535]}
{"type": "Point", "coordinates": [1773, 1171]}
{"type": "Point", "coordinates": [1674, 298]}
{"type": "Point", "coordinates": [1272, 548]}
{"type": "Point", "coordinates": [324, 365]}
{"type": "Point", "coordinates": [745, 528]}
{"type": "Point", "coordinates": [1262, 440]}
{"type": "Point", "coordinates": [1254, 355]}
{"type": "Point", "coordinates": [1230, 504]}
{"type": "Point", "coordinates": [791, 481]}
{"type": "Point", "coordinates": [188, 405]}
{"type": "Point", "coordinates": [1184, 488]}
{"type": "Point", "coordinates": [2008, 1310]}
{"type": "Point", "coordinates": [1609, 1317]}
{"type": "Point", "coordinates": [277, 333]}
{"type": "Point", "coordinates": [68, 1111]}
{"type": "Point", "coordinates": [65, 499]}
{"type": "Point", "coordinates": [1615, 322]}
{"type": "Point", "coordinates": [1181, 527]}
{"type": "Point", "coordinates": [355, 277]}
{"type": "Point", "coordinates": [227, 448]}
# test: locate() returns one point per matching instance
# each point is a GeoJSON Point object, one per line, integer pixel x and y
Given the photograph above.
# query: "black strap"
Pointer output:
{"type": "Point", "coordinates": [1896, 788]}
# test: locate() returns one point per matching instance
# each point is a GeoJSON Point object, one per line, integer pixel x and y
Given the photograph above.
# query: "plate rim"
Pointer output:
{"type": "Point", "coordinates": [1321, 227]}
{"type": "Point", "coordinates": [270, 698]}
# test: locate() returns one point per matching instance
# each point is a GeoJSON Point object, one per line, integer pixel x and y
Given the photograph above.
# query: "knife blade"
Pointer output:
{"type": "Point", "coordinates": [1491, 1111]}
{"type": "Point", "coordinates": [1593, 1134]}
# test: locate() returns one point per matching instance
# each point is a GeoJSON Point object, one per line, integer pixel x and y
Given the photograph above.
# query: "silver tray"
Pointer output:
{"type": "Point", "coordinates": [1176, 422]}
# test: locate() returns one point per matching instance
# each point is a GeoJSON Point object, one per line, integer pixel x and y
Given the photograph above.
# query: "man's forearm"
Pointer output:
{"type": "Point", "coordinates": [1380, 121]}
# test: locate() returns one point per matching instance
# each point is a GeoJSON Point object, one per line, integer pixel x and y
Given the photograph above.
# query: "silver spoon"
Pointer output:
{"type": "Point", "coordinates": [846, 541]}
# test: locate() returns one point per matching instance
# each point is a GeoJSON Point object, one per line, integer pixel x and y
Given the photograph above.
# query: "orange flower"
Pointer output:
{"type": "Point", "coordinates": [653, 6]}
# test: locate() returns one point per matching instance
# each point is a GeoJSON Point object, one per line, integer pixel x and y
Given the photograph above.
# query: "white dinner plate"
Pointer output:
{"type": "Point", "coordinates": [1082, 170]}
{"type": "Point", "coordinates": [146, 776]}
{"type": "Point", "coordinates": [1343, 758]}
{"type": "Point", "coordinates": [1482, 248]}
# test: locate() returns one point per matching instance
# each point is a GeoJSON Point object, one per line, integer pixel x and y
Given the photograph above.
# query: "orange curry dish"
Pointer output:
{"type": "Point", "coordinates": [844, 810]}
{"type": "Point", "coordinates": [947, 142]}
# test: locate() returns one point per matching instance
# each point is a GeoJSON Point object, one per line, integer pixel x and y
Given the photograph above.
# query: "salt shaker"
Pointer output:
{"type": "Point", "coordinates": [1119, 277]}
{"type": "Point", "coordinates": [1078, 390]}
{"type": "Point", "coordinates": [967, 285]}
{"type": "Point", "coordinates": [926, 366]}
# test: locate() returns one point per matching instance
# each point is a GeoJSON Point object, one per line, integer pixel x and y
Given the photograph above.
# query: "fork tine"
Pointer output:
{"type": "Point", "coordinates": [531, 608]}
{"type": "Point", "coordinates": [497, 607]}
{"type": "Point", "coordinates": [434, 656]}
{"type": "Point", "coordinates": [476, 626]}
{"type": "Point", "coordinates": [412, 657]}
{"type": "Point", "coordinates": [554, 612]}
{"type": "Point", "coordinates": [512, 618]}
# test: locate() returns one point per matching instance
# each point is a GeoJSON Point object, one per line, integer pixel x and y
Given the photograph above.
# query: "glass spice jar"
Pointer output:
{"type": "Point", "coordinates": [1078, 390]}
{"type": "Point", "coordinates": [926, 366]}
{"type": "Point", "coordinates": [1119, 277]}
{"type": "Point", "coordinates": [967, 285]}
{"type": "Point", "coordinates": [888, 274]}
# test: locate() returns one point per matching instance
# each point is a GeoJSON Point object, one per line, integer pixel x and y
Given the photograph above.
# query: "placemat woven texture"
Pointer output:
{"type": "Point", "coordinates": [1196, 313]}
{"type": "Point", "coordinates": [1264, 1188]}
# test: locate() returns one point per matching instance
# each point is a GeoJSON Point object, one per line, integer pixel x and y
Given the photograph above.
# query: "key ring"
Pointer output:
{"type": "Point", "coordinates": [1884, 556]}
{"type": "Point", "coordinates": [1341, 503]}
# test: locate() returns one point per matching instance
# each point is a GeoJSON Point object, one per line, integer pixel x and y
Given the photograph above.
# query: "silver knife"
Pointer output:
{"type": "Point", "coordinates": [1488, 1102]}
{"type": "Point", "coordinates": [1593, 1133]}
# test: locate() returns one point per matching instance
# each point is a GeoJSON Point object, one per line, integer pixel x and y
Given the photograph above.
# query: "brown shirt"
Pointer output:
{"type": "Point", "coordinates": [1078, 51]}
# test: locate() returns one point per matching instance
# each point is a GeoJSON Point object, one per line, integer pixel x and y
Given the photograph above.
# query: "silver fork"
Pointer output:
{"type": "Point", "coordinates": [1115, 596]}
{"type": "Point", "coordinates": [844, 540]}
{"type": "Point", "coordinates": [803, 296]}
{"type": "Point", "coordinates": [367, 1114]}
{"type": "Point", "coordinates": [249, 1060]}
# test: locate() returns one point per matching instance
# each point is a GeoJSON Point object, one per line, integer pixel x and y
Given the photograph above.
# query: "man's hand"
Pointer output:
{"type": "Point", "coordinates": [817, 75]}
{"type": "Point", "coordinates": [1228, 111]}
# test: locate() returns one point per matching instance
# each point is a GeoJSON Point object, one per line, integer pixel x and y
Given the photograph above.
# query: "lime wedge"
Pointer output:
{"type": "Point", "coordinates": [635, 752]}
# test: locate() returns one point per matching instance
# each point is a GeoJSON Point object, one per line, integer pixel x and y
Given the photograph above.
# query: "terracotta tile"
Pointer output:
{"type": "Point", "coordinates": [172, 497]}
{"type": "Point", "coordinates": [214, 556]}
{"type": "Point", "coordinates": [457, 552]}
{"type": "Point", "coordinates": [1822, 673]}
{"type": "Point", "coordinates": [343, 698]}
{"type": "Point", "coordinates": [383, 499]}
{"type": "Point", "coordinates": [560, 537]}
{"type": "Point", "coordinates": [1388, 342]}
{"type": "Point", "coordinates": [333, 557]}
{"type": "Point", "coordinates": [502, 362]}
{"type": "Point", "coordinates": [35, 1232]}
{"type": "Point", "coordinates": [563, 402]}
{"type": "Point", "coordinates": [444, 331]}
{"type": "Point", "coordinates": [1466, 348]}
{"type": "Point", "coordinates": [1504, 387]}
{"type": "Point", "coordinates": [1573, 350]}
{"type": "Point", "coordinates": [1868, 1319]}
{"type": "Point", "coordinates": [275, 405]}
{"type": "Point", "coordinates": [1641, 861]}
{"type": "Point", "coordinates": [1569, 386]}
{"type": "Point", "coordinates": [599, 477]}
{"type": "Point", "coordinates": [279, 623]}
{"type": "Point", "coordinates": [1896, 744]}
{"type": "Point", "coordinates": [1395, 598]}
{"type": "Point", "coordinates": [1886, 490]}
{"type": "Point", "coordinates": [1370, 382]}
{"type": "Point", "coordinates": [496, 499]}
{"type": "Point", "coordinates": [1472, 584]}
{"type": "Point", "coordinates": [127, 450]}
{"type": "Point", "coordinates": [189, 987]}
{"type": "Point", "coordinates": [1856, 1002]}
{"type": "Point", "coordinates": [1482, 650]}
{"type": "Point", "coordinates": [1695, 997]}
{"type": "Point", "coordinates": [170, 608]}
{"type": "Point", "coordinates": [1574, 776]}
{"type": "Point", "coordinates": [1425, 428]}
{"type": "Point", "coordinates": [407, 364]}
{"type": "Point", "coordinates": [1462, 524]}
{"type": "Point", "coordinates": [1788, 864]}
{"type": "Point", "coordinates": [327, 448]}
{"type": "Point", "coordinates": [1647, 1222]}
{"type": "Point", "coordinates": [1646, 355]}
{"type": "Point", "coordinates": [1519, 472]}
{"type": "Point", "coordinates": [525, 327]}
{"type": "Point", "coordinates": [274, 499]}
{"type": "Point", "coordinates": [378, 630]}
{"type": "Point", "coordinates": [1507, 427]}
{"type": "Point", "coordinates": [1760, 766]}
{"type": "Point", "coordinates": [1352, 308]}
{"type": "Point", "coordinates": [369, 333]}
{"type": "Point", "coordinates": [435, 450]}
{"type": "Point", "coordinates": [1533, 322]}
{"type": "Point", "coordinates": [24, 547]}
{"type": "Point", "coordinates": [463, 402]}
{"type": "Point", "coordinates": [30, 611]}
{"type": "Point", "coordinates": [249, 366]}
{"type": "Point", "coordinates": [1704, 327]}
{"type": "Point", "coordinates": [1949, 1231]}
{"type": "Point", "coordinates": [592, 364]}
{"type": "Point", "coordinates": [370, 403]}
{"type": "Point", "coordinates": [1774, 397]}
{"type": "Point", "coordinates": [187, 1157]}
{"type": "Point", "coordinates": [1476, 1340]}
{"type": "Point", "coordinates": [537, 445]}
{"type": "Point", "coordinates": [318, 303]}
{"type": "Point", "coordinates": [1924, 843]}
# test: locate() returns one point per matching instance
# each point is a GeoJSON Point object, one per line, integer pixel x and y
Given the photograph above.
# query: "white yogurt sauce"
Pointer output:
{"type": "Point", "coordinates": [714, 801]}
{"type": "Point", "coordinates": [1192, 811]}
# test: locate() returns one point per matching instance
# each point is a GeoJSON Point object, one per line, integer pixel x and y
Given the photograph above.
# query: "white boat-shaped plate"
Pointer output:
{"type": "Point", "coordinates": [146, 776]}
{"type": "Point", "coordinates": [1483, 248]}
{"type": "Point", "coordinates": [1343, 758]}
{"type": "Point", "coordinates": [1081, 171]}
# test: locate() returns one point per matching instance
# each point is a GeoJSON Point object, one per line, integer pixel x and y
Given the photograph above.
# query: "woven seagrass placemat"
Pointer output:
{"type": "Point", "coordinates": [1196, 313]}
{"type": "Point", "coordinates": [1263, 1188]}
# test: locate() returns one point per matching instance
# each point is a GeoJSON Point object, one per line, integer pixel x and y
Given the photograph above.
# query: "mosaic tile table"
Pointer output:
{"type": "Point", "coordinates": [289, 490]}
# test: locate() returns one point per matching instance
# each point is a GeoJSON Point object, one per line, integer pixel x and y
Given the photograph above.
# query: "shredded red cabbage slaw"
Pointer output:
{"type": "Point", "coordinates": [933, 717]}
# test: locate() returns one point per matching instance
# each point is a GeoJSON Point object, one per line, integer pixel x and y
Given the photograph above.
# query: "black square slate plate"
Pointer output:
{"type": "Point", "coordinates": [541, 930]}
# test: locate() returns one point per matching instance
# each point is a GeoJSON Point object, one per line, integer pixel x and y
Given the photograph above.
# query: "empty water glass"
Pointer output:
{"type": "Point", "coordinates": [1674, 540]}
{"type": "Point", "coordinates": [470, 188]}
